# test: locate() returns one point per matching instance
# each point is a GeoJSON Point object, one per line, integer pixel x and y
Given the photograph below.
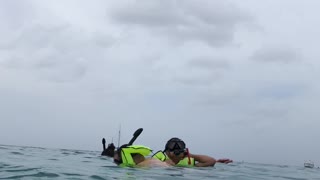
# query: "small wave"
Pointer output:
{"type": "Point", "coordinates": [16, 153]}
{"type": "Point", "coordinates": [38, 175]}
{"type": "Point", "coordinates": [293, 178]}
{"type": "Point", "coordinates": [86, 161]}
{"type": "Point", "coordinates": [17, 166]}
{"type": "Point", "coordinates": [88, 157]}
{"type": "Point", "coordinates": [38, 148]}
{"type": "Point", "coordinates": [65, 150]}
{"type": "Point", "coordinates": [1, 147]}
{"type": "Point", "coordinates": [79, 152]}
{"type": "Point", "coordinates": [45, 174]}
{"type": "Point", "coordinates": [21, 170]}
{"type": "Point", "coordinates": [3, 165]}
{"type": "Point", "coordinates": [117, 167]}
{"type": "Point", "coordinates": [71, 174]}
{"type": "Point", "coordinates": [53, 159]}
{"type": "Point", "coordinates": [97, 177]}
{"type": "Point", "coordinates": [65, 153]}
{"type": "Point", "coordinates": [283, 166]}
{"type": "Point", "coordinates": [70, 151]}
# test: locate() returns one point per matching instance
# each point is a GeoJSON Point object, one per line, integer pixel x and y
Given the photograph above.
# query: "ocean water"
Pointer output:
{"type": "Point", "coordinates": [40, 163]}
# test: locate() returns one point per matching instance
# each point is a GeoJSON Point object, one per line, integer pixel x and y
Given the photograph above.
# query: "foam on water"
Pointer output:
{"type": "Point", "coordinates": [40, 163]}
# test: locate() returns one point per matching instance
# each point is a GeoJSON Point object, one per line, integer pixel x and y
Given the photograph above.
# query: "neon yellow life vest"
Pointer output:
{"type": "Point", "coordinates": [183, 163]}
{"type": "Point", "coordinates": [126, 152]}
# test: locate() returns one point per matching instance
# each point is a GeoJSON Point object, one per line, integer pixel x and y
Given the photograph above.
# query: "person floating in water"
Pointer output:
{"type": "Point", "coordinates": [176, 154]}
{"type": "Point", "coordinates": [135, 156]}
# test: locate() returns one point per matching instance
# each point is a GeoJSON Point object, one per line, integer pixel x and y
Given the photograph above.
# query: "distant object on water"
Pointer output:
{"type": "Point", "coordinates": [308, 164]}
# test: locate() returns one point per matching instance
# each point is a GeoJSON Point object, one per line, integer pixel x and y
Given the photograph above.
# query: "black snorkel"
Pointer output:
{"type": "Point", "coordinates": [104, 144]}
{"type": "Point", "coordinates": [135, 135]}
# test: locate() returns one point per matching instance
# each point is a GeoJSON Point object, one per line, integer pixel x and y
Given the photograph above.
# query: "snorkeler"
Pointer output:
{"type": "Point", "coordinates": [132, 155]}
{"type": "Point", "coordinates": [176, 154]}
{"type": "Point", "coordinates": [135, 156]}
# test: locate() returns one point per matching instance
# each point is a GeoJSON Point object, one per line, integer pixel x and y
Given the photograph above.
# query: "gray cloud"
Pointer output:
{"type": "Point", "coordinates": [281, 91]}
{"type": "Point", "coordinates": [209, 63]}
{"type": "Point", "coordinates": [58, 53]}
{"type": "Point", "coordinates": [201, 71]}
{"type": "Point", "coordinates": [10, 17]}
{"type": "Point", "coordinates": [194, 80]}
{"type": "Point", "coordinates": [206, 21]}
{"type": "Point", "coordinates": [276, 54]}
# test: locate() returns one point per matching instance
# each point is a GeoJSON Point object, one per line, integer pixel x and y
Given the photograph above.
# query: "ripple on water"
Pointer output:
{"type": "Point", "coordinates": [4, 165]}
{"type": "Point", "coordinates": [16, 153]}
{"type": "Point", "coordinates": [97, 177]}
{"type": "Point", "coordinates": [287, 177]}
{"type": "Point", "coordinates": [36, 175]}
{"type": "Point", "coordinates": [21, 170]}
{"type": "Point", "coordinates": [17, 166]}
{"type": "Point", "coordinates": [86, 161]}
{"type": "Point", "coordinates": [65, 153]}
{"type": "Point", "coordinates": [1, 147]}
{"type": "Point", "coordinates": [72, 174]}
{"type": "Point", "coordinates": [79, 152]}
{"type": "Point", "coordinates": [45, 174]}
{"type": "Point", "coordinates": [87, 157]}
{"type": "Point", "coordinates": [53, 159]}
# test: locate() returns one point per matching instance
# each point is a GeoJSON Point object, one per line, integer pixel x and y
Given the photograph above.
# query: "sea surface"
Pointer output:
{"type": "Point", "coordinates": [18, 162]}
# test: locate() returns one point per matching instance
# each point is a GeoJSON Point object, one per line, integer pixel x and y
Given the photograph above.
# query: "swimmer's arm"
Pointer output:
{"type": "Point", "coordinates": [203, 160]}
{"type": "Point", "coordinates": [224, 160]}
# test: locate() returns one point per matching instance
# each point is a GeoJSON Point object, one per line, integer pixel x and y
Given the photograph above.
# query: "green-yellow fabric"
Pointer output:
{"type": "Point", "coordinates": [126, 152]}
{"type": "Point", "coordinates": [183, 163]}
{"type": "Point", "coordinates": [160, 155]}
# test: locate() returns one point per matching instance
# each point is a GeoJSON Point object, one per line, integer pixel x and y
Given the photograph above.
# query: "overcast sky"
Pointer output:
{"type": "Point", "coordinates": [235, 79]}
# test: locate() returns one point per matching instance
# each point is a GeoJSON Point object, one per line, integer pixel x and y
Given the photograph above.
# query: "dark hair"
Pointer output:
{"type": "Point", "coordinates": [175, 144]}
{"type": "Point", "coordinates": [109, 151]}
